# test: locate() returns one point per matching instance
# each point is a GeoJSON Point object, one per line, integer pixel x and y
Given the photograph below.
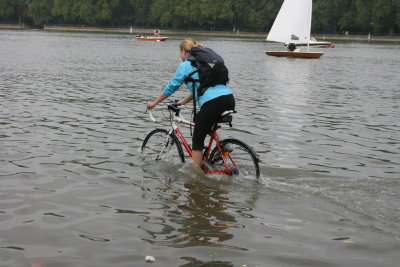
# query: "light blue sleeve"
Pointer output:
{"type": "Point", "coordinates": [181, 73]}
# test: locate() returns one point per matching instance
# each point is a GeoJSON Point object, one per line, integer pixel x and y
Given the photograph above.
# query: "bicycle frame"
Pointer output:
{"type": "Point", "coordinates": [214, 137]}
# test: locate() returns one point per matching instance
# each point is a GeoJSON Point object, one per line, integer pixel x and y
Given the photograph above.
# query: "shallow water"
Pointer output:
{"type": "Point", "coordinates": [74, 190]}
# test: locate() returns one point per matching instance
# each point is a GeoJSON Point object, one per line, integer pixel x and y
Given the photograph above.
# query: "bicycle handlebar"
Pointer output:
{"type": "Point", "coordinates": [170, 106]}
{"type": "Point", "coordinates": [150, 111]}
{"type": "Point", "coordinates": [226, 116]}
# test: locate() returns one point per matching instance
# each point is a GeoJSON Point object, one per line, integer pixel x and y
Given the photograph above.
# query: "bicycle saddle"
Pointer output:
{"type": "Point", "coordinates": [226, 117]}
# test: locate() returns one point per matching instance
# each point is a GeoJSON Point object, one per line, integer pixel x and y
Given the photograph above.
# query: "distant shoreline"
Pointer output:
{"type": "Point", "coordinates": [128, 30]}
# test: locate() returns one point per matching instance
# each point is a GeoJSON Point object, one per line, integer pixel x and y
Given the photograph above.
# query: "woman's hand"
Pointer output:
{"type": "Point", "coordinates": [151, 104]}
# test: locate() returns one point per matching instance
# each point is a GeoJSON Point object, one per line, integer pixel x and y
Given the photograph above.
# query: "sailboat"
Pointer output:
{"type": "Point", "coordinates": [293, 26]}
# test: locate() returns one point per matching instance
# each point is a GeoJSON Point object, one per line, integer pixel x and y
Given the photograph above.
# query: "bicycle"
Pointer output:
{"type": "Point", "coordinates": [228, 156]}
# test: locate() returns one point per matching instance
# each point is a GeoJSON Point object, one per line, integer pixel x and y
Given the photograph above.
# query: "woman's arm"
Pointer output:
{"type": "Point", "coordinates": [187, 99]}
{"type": "Point", "coordinates": [176, 81]}
{"type": "Point", "coordinates": [160, 98]}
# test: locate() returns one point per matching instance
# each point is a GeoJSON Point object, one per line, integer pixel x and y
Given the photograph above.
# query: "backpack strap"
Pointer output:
{"type": "Point", "coordinates": [190, 78]}
{"type": "Point", "coordinates": [193, 81]}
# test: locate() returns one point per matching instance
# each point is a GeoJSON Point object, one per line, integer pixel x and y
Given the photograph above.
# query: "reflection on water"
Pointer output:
{"type": "Point", "coordinates": [74, 190]}
{"type": "Point", "coordinates": [202, 218]}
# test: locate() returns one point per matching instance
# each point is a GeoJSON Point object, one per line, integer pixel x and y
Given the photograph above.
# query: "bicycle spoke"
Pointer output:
{"type": "Point", "coordinates": [160, 145]}
{"type": "Point", "coordinates": [241, 158]}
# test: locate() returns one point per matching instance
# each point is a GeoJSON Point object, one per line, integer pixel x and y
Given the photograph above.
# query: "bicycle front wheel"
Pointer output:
{"type": "Point", "coordinates": [159, 144]}
{"type": "Point", "coordinates": [239, 156]}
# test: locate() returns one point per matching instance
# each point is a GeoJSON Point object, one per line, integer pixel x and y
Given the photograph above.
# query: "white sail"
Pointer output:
{"type": "Point", "coordinates": [293, 23]}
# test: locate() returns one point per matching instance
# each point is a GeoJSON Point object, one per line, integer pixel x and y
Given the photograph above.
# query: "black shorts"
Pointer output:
{"type": "Point", "coordinates": [208, 115]}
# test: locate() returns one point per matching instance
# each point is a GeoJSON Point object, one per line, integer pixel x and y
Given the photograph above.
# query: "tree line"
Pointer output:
{"type": "Point", "coordinates": [380, 17]}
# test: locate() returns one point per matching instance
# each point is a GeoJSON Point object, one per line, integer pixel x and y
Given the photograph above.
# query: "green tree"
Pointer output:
{"type": "Point", "coordinates": [363, 15]}
{"type": "Point", "coordinates": [106, 11]}
{"type": "Point", "coordinates": [5, 9]}
{"type": "Point", "coordinates": [141, 10]}
{"type": "Point", "coordinates": [162, 12]}
{"type": "Point", "coordinates": [123, 13]}
{"type": "Point", "coordinates": [256, 15]}
{"type": "Point", "coordinates": [357, 16]}
{"type": "Point", "coordinates": [14, 10]}
{"type": "Point", "coordinates": [385, 16]}
{"type": "Point", "coordinates": [326, 15]}
{"type": "Point", "coordinates": [41, 11]}
{"type": "Point", "coordinates": [157, 10]}
{"type": "Point", "coordinates": [186, 12]}
{"type": "Point", "coordinates": [347, 19]}
{"type": "Point", "coordinates": [213, 13]}
{"type": "Point", "coordinates": [86, 11]}
{"type": "Point", "coordinates": [69, 10]}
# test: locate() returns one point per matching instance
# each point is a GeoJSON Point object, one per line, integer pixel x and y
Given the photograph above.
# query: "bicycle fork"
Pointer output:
{"type": "Point", "coordinates": [168, 140]}
{"type": "Point", "coordinates": [226, 158]}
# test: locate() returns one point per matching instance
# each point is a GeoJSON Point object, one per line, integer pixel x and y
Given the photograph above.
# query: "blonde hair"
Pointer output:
{"type": "Point", "coordinates": [188, 44]}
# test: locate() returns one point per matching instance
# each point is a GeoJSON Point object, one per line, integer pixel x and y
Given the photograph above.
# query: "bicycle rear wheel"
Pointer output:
{"type": "Point", "coordinates": [159, 144]}
{"type": "Point", "coordinates": [240, 157]}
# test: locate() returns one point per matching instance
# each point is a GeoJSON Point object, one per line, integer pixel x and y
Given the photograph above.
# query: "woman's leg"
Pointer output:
{"type": "Point", "coordinates": [208, 115]}
{"type": "Point", "coordinates": [197, 157]}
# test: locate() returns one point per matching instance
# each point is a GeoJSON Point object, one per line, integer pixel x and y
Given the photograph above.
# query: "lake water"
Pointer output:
{"type": "Point", "coordinates": [74, 190]}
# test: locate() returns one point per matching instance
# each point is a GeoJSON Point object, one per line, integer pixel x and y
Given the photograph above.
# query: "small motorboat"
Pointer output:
{"type": "Point", "coordinates": [315, 43]}
{"type": "Point", "coordinates": [151, 38]}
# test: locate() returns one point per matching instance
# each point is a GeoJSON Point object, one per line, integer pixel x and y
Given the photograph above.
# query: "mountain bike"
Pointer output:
{"type": "Point", "coordinates": [228, 156]}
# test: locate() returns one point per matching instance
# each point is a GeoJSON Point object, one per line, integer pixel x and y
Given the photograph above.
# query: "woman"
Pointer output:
{"type": "Point", "coordinates": [213, 102]}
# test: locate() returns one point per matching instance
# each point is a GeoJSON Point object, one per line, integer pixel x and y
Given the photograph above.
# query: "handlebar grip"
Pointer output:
{"type": "Point", "coordinates": [151, 114]}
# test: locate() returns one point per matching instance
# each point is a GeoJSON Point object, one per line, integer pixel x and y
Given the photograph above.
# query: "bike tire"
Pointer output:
{"type": "Point", "coordinates": [243, 161]}
{"type": "Point", "coordinates": [159, 144]}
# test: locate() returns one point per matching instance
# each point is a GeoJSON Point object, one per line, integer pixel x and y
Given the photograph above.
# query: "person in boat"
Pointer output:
{"type": "Point", "coordinates": [156, 33]}
{"type": "Point", "coordinates": [213, 102]}
{"type": "Point", "coordinates": [291, 47]}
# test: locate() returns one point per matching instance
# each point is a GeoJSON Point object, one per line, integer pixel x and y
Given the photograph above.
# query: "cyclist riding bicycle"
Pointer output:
{"type": "Point", "coordinates": [213, 102]}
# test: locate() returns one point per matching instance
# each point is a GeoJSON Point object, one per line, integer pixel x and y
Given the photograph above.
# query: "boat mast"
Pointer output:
{"type": "Point", "coordinates": [309, 33]}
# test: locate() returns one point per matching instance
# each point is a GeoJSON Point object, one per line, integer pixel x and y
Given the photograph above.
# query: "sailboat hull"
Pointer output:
{"type": "Point", "coordinates": [295, 54]}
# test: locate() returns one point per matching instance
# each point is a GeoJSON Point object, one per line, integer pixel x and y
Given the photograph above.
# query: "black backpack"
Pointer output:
{"type": "Point", "coordinates": [211, 68]}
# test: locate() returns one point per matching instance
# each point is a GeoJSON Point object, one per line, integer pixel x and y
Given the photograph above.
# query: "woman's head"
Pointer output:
{"type": "Point", "coordinates": [186, 45]}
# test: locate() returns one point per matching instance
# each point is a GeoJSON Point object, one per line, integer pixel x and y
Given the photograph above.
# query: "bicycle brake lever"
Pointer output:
{"type": "Point", "coordinates": [176, 103]}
